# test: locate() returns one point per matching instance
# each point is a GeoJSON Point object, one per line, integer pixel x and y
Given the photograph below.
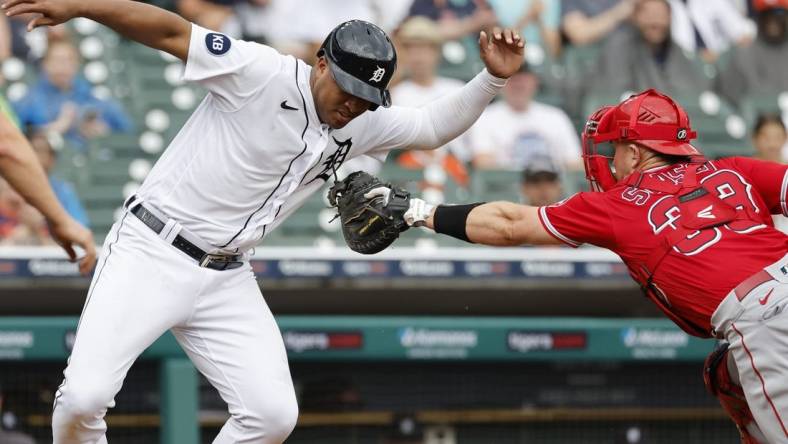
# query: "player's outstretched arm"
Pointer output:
{"type": "Point", "coordinates": [500, 224]}
{"type": "Point", "coordinates": [147, 24]}
{"type": "Point", "coordinates": [19, 165]}
{"type": "Point", "coordinates": [438, 122]}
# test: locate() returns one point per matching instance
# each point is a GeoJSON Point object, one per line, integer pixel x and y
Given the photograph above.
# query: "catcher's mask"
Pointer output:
{"type": "Point", "coordinates": [651, 119]}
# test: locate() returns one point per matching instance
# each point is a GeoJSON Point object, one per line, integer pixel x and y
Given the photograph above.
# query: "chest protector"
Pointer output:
{"type": "Point", "coordinates": [700, 210]}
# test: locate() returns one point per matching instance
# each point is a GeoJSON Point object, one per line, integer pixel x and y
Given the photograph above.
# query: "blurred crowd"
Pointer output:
{"type": "Point", "coordinates": [727, 50]}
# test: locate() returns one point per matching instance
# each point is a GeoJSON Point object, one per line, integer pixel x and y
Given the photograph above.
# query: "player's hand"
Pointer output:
{"type": "Point", "coordinates": [502, 51]}
{"type": "Point", "coordinates": [384, 192]}
{"type": "Point", "coordinates": [69, 234]}
{"type": "Point", "coordinates": [48, 12]}
{"type": "Point", "coordinates": [418, 210]}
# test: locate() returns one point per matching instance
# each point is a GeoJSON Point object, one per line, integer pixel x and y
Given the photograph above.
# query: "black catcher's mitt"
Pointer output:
{"type": "Point", "coordinates": [369, 225]}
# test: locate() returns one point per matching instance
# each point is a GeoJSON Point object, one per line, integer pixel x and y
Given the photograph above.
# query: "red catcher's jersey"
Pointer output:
{"type": "Point", "coordinates": [703, 268]}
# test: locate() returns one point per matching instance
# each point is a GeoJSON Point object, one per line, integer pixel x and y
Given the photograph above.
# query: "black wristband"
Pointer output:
{"type": "Point", "coordinates": [450, 220]}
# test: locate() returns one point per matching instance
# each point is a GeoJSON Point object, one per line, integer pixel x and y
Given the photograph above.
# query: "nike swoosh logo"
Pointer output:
{"type": "Point", "coordinates": [284, 105]}
{"type": "Point", "coordinates": [765, 299]}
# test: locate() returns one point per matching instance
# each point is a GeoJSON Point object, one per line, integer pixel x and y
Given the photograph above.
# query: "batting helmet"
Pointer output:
{"type": "Point", "coordinates": [651, 119]}
{"type": "Point", "coordinates": [362, 60]}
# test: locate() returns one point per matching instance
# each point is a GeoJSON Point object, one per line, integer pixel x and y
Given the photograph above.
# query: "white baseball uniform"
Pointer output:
{"type": "Point", "coordinates": [251, 153]}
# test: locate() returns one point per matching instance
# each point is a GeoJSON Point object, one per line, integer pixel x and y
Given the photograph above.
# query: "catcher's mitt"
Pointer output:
{"type": "Point", "coordinates": [369, 225]}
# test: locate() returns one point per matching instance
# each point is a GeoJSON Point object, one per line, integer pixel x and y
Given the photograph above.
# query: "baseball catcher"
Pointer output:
{"type": "Point", "coordinates": [696, 234]}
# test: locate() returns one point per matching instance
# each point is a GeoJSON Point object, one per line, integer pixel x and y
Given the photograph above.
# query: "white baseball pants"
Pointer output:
{"type": "Point", "coordinates": [757, 329]}
{"type": "Point", "coordinates": [143, 287]}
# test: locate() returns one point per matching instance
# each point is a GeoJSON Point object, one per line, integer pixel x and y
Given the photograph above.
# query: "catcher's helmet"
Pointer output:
{"type": "Point", "coordinates": [651, 119]}
{"type": "Point", "coordinates": [362, 60]}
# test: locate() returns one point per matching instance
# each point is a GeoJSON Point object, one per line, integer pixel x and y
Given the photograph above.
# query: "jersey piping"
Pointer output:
{"type": "Point", "coordinates": [290, 165]}
{"type": "Point", "coordinates": [552, 230]}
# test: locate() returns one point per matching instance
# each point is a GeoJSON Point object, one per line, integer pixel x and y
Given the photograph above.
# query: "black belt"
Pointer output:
{"type": "Point", "coordinates": [212, 261]}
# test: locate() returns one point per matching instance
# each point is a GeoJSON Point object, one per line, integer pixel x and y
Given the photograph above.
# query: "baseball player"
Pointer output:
{"type": "Point", "coordinates": [697, 235]}
{"type": "Point", "coordinates": [19, 165]}
{"type": "Point", "coordinates": [270, 132]}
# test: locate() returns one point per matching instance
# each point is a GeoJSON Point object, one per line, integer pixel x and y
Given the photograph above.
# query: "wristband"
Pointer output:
{"type": "Point", "coordinates": [450, 220]}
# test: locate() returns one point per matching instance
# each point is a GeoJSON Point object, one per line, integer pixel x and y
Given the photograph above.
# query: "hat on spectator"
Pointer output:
{"type": "Point", "coordinates": [764, 5]}
{"type": "Point", "coordinates": [420, 29]}
{"type": "Point", "coordinates": [540, 169]}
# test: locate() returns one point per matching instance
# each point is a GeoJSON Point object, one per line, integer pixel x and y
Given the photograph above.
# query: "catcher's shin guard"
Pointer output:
{"type": "Point", "coordinates": [719, 383]}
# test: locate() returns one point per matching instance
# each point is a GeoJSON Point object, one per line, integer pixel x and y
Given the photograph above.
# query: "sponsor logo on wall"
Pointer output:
{"type": "Point", "coordinates": [432, 343]}
{"type": "Point", "coordinates": [52, 267]}
{"type": "Point", "coordinates": [648, 343]}
{"type": "Point", "coordinates": [427, 268]}
{"type": "Point", "coordinates": [522, 341]}
{"type": "Point", "coordinates": [68, 340]}
{"type": "Point", "coordinates": [548, 269]}
{"type": "Point", "coordinates": [13, 343]}
{"type": "Point", "coordinates": [306, 268]}
{"type": "Point", "coordinates": [299, 341]}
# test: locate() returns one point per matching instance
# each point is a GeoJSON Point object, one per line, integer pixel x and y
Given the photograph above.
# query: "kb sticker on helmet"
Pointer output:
{"type": "Point", "coordinates": [217, 44]}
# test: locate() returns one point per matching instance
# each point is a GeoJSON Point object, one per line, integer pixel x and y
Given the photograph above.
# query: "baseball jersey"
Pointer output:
{"type": "Point", "coordinates": [255, 149]}
{"type": "Point", "coordinates": [698, 272]}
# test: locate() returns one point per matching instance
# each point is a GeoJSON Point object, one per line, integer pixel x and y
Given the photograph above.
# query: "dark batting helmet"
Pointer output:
{"type": "Point", "coordinates": [362, 60]}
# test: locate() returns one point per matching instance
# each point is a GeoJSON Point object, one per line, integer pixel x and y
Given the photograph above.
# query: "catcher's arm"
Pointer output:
{"type": "Point", "coordinates": [494, 223]}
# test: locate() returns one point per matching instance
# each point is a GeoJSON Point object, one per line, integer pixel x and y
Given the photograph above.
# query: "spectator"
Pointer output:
{"type": "Point", "coordinates": [5, 38]}
{"type": "Point", "coordinates": [644, 56]}
{"type": "Point", "coordinates": [537, 20]}
{"type": "Point", "coordinates": [62, 101]}
{"type": "Point", "coordinates": [238, 18]}
{"type": "Point", "coordinates": [586, 22]}
{"type": "Point", "coordinates": [20, 167]}
{"type": "Point", "coordinates": [709, 28]}
{"type": "Point", "coordinates": [769, 138]}
{"type": "Point", "coordinates": [10, 437]}
{"type": "Point", "coordinates": [389, 14]}
{"type": "Point", "coordinates": [512, 132]}
{"type": "Point", "coordinates": [8, 111]}
{"type": "Point", "coordinates": [28, 46]}
{"type": "Point", "coordinates": [64, 191]}
{"type": "Point", "coordinates": [285, 25]}
{"type": "Point", "coordinates": [420, 43]}
{"type": "Point", "coordinates": [20, 223]}
{"type": "Point", "coordinates": [541, 185]}
{"type": "Point", "coordinates": [457, 18]}
{"type": "Point", "coordinates": [761, 68]}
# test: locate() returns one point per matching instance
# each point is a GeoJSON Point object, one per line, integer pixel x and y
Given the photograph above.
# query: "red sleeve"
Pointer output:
{"type": "Point", "coordinates": [769, 179]}
{"type": "Point", "coordinates": [582, 218]}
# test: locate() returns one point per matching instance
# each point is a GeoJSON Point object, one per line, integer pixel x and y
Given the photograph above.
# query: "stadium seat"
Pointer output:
{"type": "Point", "coordinates": [756, 104]}
{"type": "Point", "coordinates": [490, 185]}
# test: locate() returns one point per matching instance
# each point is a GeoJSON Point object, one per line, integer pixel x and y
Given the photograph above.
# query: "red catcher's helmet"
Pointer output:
{"type": "Point", "coordinates": [651, 119]}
